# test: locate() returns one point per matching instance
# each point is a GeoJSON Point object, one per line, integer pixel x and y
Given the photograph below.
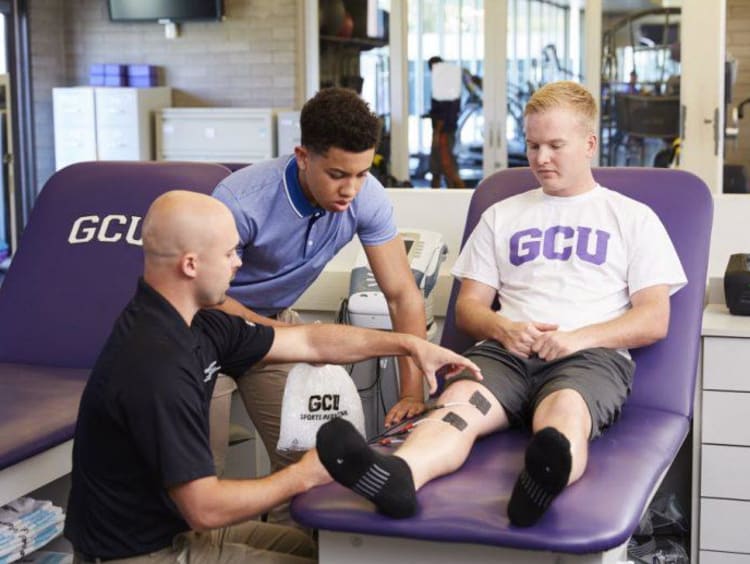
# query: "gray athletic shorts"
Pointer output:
{"type": "Point", "coordinates": [602, 376]}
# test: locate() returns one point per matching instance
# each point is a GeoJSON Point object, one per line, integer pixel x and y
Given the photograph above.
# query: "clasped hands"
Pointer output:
{"type": "Point", "coordinates": [529, 338]}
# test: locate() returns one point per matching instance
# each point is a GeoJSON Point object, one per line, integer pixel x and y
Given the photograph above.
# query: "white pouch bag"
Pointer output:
{"type": "Point", "coordinates": [312, 396]}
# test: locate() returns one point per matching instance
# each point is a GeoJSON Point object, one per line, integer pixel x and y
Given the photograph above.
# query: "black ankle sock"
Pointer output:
{"type": "Point", "coordinates": [545, 475]}
{"type": "Point", "coordinates": [384, 480]}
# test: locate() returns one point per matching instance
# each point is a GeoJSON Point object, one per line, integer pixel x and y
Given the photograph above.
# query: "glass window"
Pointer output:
{"type": "Point", "coordinates": [640, 101]}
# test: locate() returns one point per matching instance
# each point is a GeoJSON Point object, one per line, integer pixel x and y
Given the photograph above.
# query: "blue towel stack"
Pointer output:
{"type": "Point", "coordinates": [143, 76]}
{"type": "Point", "coordinates": [108, 74]}
{"type": "Point", "coordinates": [115, 75]}
{"type": "Point", "coordinates": [96, 75]}
{"type": "Point", "coordinates": [26, 525]}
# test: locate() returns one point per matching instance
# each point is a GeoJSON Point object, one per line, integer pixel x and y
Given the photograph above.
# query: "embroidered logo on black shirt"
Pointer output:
{"type": "Point", "coordinates": [210, 370]}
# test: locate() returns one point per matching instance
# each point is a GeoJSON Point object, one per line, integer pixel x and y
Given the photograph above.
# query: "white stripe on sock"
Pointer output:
{"type": "Point", "coordinates": [364, 489]}
{"type": "Point", "coordinates": [377, 484]}
{"type": "Point", "coordinates": [372, 481]}
{"type": "Point", "coordinates": [537, 494]}
{"type": "Point", "coordinates": [378, 470]}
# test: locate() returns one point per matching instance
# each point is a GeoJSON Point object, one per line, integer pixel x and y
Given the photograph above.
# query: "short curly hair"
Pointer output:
{"type": "Point", "coordinates": [338, 117]}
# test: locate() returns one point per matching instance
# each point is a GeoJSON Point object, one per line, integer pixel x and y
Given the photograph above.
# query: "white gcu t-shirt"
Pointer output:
{"type": "Point", "coordinates": [573, 261]}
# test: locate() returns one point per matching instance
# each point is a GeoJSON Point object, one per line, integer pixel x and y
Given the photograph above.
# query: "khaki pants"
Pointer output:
{"type": "Point", "coordinates": [221, 406]}
{"type": "Point", "coordinates": [250, 542]}
{"type": "Point", "coordinates": [262, 391]}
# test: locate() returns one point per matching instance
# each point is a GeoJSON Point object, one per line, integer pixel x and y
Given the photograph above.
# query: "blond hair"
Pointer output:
{"type": "Point", "coordinates": [565, 94]}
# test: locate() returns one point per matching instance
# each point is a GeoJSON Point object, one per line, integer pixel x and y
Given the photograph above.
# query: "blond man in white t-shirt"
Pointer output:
{"type": "Point", "coordinates": [582, 274]}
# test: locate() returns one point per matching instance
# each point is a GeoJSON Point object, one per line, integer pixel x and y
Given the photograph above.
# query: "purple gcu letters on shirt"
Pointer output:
{"type": "Point", "coordinates": [526, 244]}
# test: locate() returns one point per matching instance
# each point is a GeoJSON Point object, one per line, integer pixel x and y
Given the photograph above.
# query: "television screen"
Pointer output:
{"type": "Point", "coordinates": [173, 10]}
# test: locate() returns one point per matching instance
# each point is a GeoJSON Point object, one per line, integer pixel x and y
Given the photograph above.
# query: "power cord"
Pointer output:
{"type": "Point", "coordinates": [343, 318]}
{"type": "Point", "coordinates": [379, 380]}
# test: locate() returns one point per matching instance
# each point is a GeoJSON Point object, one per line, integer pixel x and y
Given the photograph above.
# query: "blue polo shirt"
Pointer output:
{"type": "Point", "coordinates": [285, 242]}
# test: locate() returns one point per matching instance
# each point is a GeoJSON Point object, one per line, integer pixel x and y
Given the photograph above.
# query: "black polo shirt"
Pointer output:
{"type": "Point", "coordinates": [143, 422]}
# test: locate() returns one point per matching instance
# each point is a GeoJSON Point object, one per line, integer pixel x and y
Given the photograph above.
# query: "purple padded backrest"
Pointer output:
{"type": "Point", "coordinates": [80, 256]}
{"type": "Point", "coordinates": [665, 371]}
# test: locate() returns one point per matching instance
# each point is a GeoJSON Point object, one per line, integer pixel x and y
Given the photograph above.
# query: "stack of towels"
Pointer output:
{"type": "Point", "coordinates": [26, 525]}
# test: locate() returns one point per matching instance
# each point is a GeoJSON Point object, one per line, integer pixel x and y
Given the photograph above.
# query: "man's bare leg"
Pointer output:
{"type": "Point", "coordinates": [438, 445]}
{"type": "Point", "coordinates": [556, 456]}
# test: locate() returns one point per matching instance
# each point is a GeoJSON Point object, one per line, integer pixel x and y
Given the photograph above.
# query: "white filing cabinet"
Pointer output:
{"type": "Point", "coordinates": [724, 492]}
{"type": "Point", "coordinates": [224, 135]}
{"type": "Point", "coordinates": [107, 123]}
{"type": "Point", "coordinates": [75, 125]}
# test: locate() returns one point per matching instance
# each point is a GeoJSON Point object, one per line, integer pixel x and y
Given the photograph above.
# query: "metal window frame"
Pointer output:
{"type": "Point", "coordinates": [22, 149]}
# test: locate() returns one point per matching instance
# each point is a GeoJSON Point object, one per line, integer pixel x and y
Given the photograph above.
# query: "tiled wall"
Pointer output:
{"type": "Point", "coordinates": [247, 60]}
{"type": "Point", "coordinates": [48, 61]}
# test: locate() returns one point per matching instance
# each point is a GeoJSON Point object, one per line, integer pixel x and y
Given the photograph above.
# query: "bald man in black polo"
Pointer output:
{"type": "Point", "coordinates": [144, 483]}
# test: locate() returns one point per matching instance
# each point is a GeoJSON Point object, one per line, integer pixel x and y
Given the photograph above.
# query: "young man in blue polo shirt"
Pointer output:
{"type": "Point", "coordinates": [293, 214]}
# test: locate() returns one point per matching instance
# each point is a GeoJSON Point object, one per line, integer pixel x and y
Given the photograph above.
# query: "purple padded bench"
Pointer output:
{"type": "Point", "coordinates": [76, 267]}
{"type": "Point", "coordinates": [463, 516]}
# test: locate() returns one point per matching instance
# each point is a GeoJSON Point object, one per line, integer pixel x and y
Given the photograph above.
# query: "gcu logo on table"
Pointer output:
{"type": "Point", "coordinates": [326, 402]}
{"type": "Point", "coordinates": [558, 243]}
{"type": "Point", "coordinates": [108, 229]}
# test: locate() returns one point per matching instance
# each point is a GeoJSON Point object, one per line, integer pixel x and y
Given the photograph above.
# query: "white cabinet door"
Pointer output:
{"type": "Point", "coordinates": [116, 106]}
{"type": "Point", "coordinates": [708, 557]}
{"type": "Point", "coordinates": [74, 121]}
{"type": "Point", "coordinates": [725, 419]}
{"type": "Point", "coordinates": [118, 143]}
{"type": "Point", "coordinates": [725, 525]}
{"type": "Point", "coordinates": [725, 471]}
{"type": "Point", "coordinates": [726, 361]}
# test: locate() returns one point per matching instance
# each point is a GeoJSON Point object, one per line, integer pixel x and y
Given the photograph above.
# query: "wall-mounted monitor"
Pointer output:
{"type": "Point", "coordinates": [172, 10]}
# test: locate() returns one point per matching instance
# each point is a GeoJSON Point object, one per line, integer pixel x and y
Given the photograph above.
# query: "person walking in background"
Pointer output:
{"type": "Point", "coordinates": [444, 116]}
